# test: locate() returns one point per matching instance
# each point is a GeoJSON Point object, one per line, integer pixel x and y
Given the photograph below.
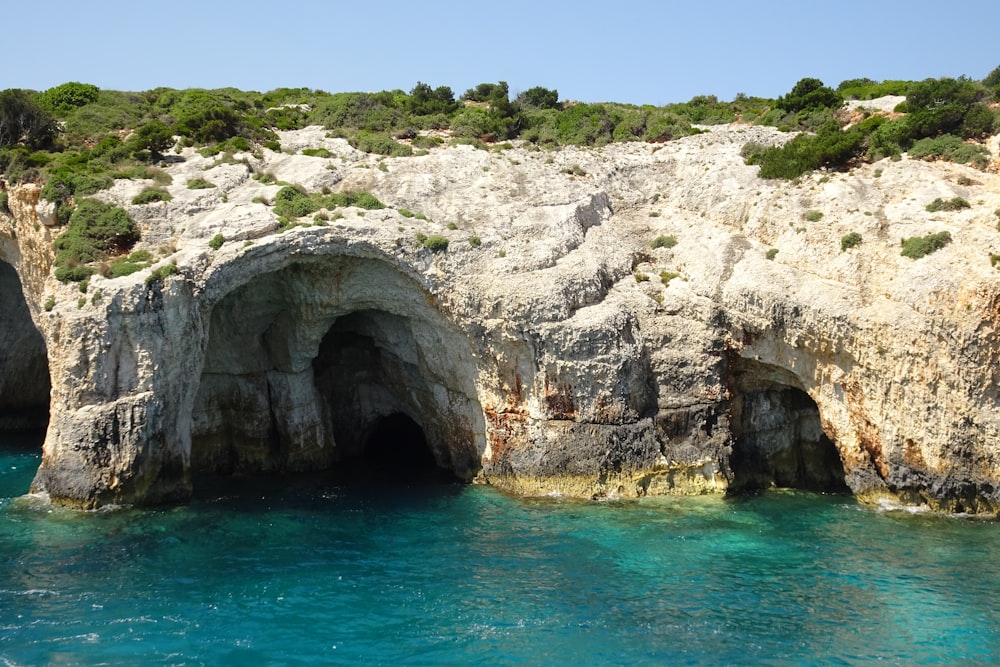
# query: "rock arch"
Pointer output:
{"type": "Point", "coordinates": [304, 361]}
{"type": "Point", "coordinates": [778, 437]}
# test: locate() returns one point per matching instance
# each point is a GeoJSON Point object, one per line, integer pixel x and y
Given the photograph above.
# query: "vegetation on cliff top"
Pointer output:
{"type": "Point", "coordinates": [940, 119]}
{"type": "Point", "coordinates": [77, 139]}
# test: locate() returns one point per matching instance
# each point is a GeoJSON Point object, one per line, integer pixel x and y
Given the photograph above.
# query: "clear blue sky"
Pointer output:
{"type": "Point", "coordinates": [617, 50]}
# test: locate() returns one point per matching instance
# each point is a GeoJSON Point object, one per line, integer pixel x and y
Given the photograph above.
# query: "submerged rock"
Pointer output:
{"type": "Point", "coordinates": [636, 319]}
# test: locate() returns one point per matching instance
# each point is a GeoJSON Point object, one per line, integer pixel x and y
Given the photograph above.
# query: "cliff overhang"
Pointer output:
{"type": "Point", "coordinates": [554, 347]}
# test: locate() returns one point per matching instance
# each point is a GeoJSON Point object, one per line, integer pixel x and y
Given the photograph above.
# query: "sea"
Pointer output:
{"type": "Point", "coordinates": [304, 571]}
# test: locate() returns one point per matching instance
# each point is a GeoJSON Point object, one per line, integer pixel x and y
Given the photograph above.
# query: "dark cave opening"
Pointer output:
{"type": "Point", "coordinates": [396, 451]}
{"type": "Point", "coordinates": [337, 368]}
{"type": "Point", "coordinates": [369, 376]}
{"type": "Point", "coordinates": [24, 365]}
{"type": "Point", "coordinates": [778, 442]}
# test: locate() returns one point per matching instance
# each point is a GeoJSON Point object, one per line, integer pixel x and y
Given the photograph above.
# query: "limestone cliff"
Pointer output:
{"type": "Point", "coordinates": [551, 348]}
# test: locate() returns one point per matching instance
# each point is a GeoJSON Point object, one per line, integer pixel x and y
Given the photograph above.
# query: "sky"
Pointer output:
{"type": "Point", "coordinates": [632, 51]}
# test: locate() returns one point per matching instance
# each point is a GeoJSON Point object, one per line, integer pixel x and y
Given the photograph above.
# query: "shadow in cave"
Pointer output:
{"type": "Point", "coordinates": [395, 453]}
{"type": "Point", "coordinates": [24, 366]}
{"type": "Point", "coordinates": [778, 442]}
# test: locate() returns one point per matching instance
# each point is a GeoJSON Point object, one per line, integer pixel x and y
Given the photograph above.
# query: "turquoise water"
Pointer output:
{"type": "Point", "coordinates": [309, 573]}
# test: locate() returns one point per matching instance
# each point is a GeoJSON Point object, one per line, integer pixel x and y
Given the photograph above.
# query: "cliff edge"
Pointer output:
{"type": "Point", "coordinates": [630, 320]}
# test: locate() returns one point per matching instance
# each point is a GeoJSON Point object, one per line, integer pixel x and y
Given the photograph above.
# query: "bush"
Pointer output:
{"type": "Point", "coordinates": [422, 141]}
{"type": "Point", "coordinates": [663, 242]}
{"type": "Point", "coordinates": [539, 98]}
{"type": "Point", "coordinates": [379, 143]}
{"type": "Point", "coordinates": [953, 204]}
{"type": "Point", "coordinates": [475, 241]}
{"type": "Point", "coordinates": [199, 184]}
{"type": "Point", "coordinates": [205, 116]}
{"type": "Point", "coordinates": [150, 195]}
{"type": "Point", "coordinates": [153, 136]}
{"type": "Point", "coordinates": [435, 243]}
{"type": "Point", "coordinates": [216, 242]}
{"type": "Point", "coordinates": [916, 247]}
{"type": "Point", "coordinates": [850, 240]}
{"type": "Point", "coordinates": [292, 202]}
{"type": "Point", "coordinates": [365, 200]}
{"type": "Point", "coordinates": [317, 152]}
{"type": "Point", "coordinates": [23, 121]}
{"type": "Point", "coordinates": [771, 254]}
{"type": "Point", "coordinates": [95, 231]}
{"type": "Point", "coordinates": [809, 94]}
{"type": "Point", "coordinates": [159, 274]}
{"type": "Point", "coordinates": [829, 147]}
{"type": "Point", "coordinates": [64, 98]}
{"type": "Point", "coordinates": [813, 216]}
{"type": "Point", "coordinates": [4, 208]}
{"type": "Point", "coordinates": [949, 147]}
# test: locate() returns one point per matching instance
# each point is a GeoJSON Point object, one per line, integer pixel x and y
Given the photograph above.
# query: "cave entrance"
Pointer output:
{"type": "Point", "coordinates": [778, 438]}
{"type": "Point", "coordinates": [379, 400]}
{"type": "Point", "coordinates": [24, 366]}
{"type": "Point", "coordinates": [336, 365]}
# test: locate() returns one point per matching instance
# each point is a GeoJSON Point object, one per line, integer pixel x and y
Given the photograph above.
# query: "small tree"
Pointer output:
{"type": "Point", "coordinates": [809, 94]}
{"type": "Point", "coordinates": [539, 98]}
{"type": "Point", "coordinates": [154, 137]}
{"type": "Point", "coordinates": [23, 121]}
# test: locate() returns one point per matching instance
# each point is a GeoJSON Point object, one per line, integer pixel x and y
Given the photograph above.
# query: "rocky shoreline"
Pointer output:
{"type": "Point", "coordinates": [630, 320]}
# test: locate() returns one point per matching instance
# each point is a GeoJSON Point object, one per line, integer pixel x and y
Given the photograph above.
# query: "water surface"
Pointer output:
{"type": "Point", "coordinates": [301, 572]}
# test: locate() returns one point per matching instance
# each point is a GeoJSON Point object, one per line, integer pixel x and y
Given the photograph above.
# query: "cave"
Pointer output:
{"type": "Point", "coordinates": [24, 369]}
{"type": "Point", "coordinates": [778, 438]}
{"type": "Point", "coordinates": [338, 365]}
{"type": "Point", "coordinates": [375, 394]}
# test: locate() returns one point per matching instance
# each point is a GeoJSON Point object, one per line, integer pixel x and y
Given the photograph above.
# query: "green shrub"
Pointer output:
{"type": "Point", "coordinates": [50, 303]}
{"type": "Point", "coordinates": [426, 142]}
{"type": "Point", "coordinates": [74, 274]}
{"type": "Point", "coordinates": [849, 240]}
{"type": "Point", "coordinates": [379, 143]}
{"type": "Point", "coordinates": [292, 202]}
{"type": "Point", "coordinates": [199, 184]}
{"type": "Point", "coordinates": [68, 96]}
{"type": "Point", "coordinates": [435, 243]}
{"type": "Point", "coordinates": [771, 254]}
{"type": "Point", "coordinates": [95, 231]}
{"type": "Point", "coordinates": [149, 195]}
{"type": "Point", "coordinates": [475, 241]}
{"type": "Point", "coordinates": [809, 94]}
{"type": "Point", "coordinates": [916, 247]}
{"type": "Point", "coordinates": [4, 207]}
{"type": "Point", "coordinates": [813, 216]}
{"type": "Point", "coordinates": [123, 267]}
{"type": "Point", "coordinates": [23, 121]}
{"type": "Point", "coordinates": [365, 200]}
{"type": "Point", "coordinates": [216, 242]}
{"type": "Point", "coordinates": [317, 152]}
{"type": "Point", "coordinates": [663, 242]}
{"type": "Point", "coordinates": [949, 147]}
{"type": "Point", "coordinates": [830, 147]}
{"type": "Point", "coordinates": [953, 204]}
{"type": "Point", "coordinates": [159, 274]}
{"type": "Point", "coordinates": [405, 212]}
{"type": "Point", "coordinates": [667, 276]}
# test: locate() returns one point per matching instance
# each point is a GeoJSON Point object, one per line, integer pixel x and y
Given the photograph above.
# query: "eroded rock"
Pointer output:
{"type": "Point", "coordinates": [557, 352]}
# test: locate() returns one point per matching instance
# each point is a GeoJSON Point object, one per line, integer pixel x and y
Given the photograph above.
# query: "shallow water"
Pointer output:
{"type": "Point", "coordinates": [298, 573]}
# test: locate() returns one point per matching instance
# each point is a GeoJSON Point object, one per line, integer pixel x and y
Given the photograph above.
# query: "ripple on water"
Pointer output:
{"type": "Point", "coordinates": [468, 575]}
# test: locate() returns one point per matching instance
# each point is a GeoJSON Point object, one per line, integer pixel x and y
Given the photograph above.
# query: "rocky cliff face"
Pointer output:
{"type": "Point", "coordinates": [551, 349]}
